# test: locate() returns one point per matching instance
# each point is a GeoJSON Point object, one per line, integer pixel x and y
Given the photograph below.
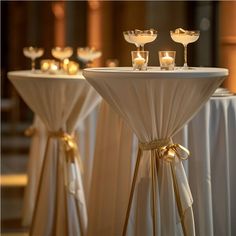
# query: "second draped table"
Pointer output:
{"type": "Point", "coordinates": [156, 105]}
{"type": "Point", "coordinates": [60, 101]}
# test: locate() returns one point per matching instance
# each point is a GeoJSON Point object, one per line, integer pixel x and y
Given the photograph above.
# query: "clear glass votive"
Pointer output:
{"type": "Point", "coordinates": [167, 60]}
{"type": "Point", "coordinates": [140, 60]}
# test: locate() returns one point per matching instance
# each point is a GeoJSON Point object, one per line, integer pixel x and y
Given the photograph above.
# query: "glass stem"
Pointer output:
{"type": "Point", "coordinates": [185, 56]}
{"type": "Point", "coordinates": [33, 65]}
{"type": "Point", "coordinates": [142, 46]}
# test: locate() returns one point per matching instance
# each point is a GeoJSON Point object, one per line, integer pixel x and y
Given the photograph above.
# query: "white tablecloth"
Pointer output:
{"type": "Point", "coordinates": [211, 137]}
{"type": "Point", "coordinates": [60, 102]}
{"type": "Point", "coordinates": [204, 169]}
{"type": "Point", "coordinates": [156, 105]}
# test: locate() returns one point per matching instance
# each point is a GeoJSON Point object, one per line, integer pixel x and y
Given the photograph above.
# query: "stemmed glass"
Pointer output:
{"type": "Point", "coordinates": [140, 37]}
{"type": "Point", "coordinates": [62, 54]}
{"type": "Point", "coordinates": [33, 53]}
{"type": "Point", "coordinates": [184, 37]}
{"type": "Point", "coordinates": [88, 54]}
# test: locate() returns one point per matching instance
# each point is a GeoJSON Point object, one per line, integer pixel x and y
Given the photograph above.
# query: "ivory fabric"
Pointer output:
{"type": "Point", "coordinates": [35, 160]}
{"type": "Point", "coordinates": [59, 102]}
{"type": "Point", "coordinates": [211, 138]}
{"type": "Point", "coordinates": [156, 105]}
{"type": "Point", "coordinates": [109, 189]}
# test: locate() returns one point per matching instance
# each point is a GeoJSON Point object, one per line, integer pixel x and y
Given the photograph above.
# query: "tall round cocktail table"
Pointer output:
{"type": "Point", "coordinates": [156, 104]}
{"type": "Point", "coordinates": [60, 101]}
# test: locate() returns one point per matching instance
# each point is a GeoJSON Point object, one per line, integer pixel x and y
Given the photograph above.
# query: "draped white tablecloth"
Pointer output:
{"type": "Point", "coordinates": [211, 172]}
{"type": "Point", "coordinates": [38, 133]}
{"type": "Point", "coordinates": [60, 102]}
{"type": "Point", "coordinates": [156, 104]}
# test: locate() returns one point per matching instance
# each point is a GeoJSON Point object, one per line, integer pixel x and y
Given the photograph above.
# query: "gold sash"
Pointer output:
{"type": "Point", "coordinates": [70, 146]}
{"type": "Point", "coordinates": [160, 149]}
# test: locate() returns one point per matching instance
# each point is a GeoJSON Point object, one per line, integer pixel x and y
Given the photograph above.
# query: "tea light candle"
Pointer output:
{"type": "Point", "coordinates": [139, 61]}
{"type": "Point", "coordinates": [53, 68]}
{"type": "Point", "coordinates": [72, 68]}
{"type": "Point", "coordinates": [45, 65]}
{"type": "Point", "coordinates": [167, 60]}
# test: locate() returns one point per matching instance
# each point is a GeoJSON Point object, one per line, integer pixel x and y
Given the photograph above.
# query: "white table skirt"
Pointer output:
{"type": "Point", "coordinates": [156, 104]}
{"type": "Point", "coordinates": [60, 101]}
{"type": "Point", "coordinates": [210, 168]}
{"type": "Point", "coordinates": [210, 136]}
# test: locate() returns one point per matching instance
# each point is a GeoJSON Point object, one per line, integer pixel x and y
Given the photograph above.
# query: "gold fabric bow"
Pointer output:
{"type": "Point", "coordinates": [30, 131]}
{"type": "Point", "coordinates": [70, 145]}
{"type": "Point", "coordinates": [169, 152]}
{"type": "Point", "coordinates": [72, 159]}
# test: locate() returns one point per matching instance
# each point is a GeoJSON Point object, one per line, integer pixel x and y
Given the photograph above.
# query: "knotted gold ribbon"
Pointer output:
{"type": "Point", "coordinates": [72, 156]}
{"type": "Point", "coordinates": [70, 145]}
{"type": "Point", "coordinates": [160, 149]}
{"type": "Point", "coordinates": [30, 131]}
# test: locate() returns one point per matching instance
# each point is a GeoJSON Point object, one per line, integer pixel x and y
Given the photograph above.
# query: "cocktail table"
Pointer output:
{"type": "Point", "coordinates": [156, 104]}
{"type": "Point", "coordinates": [60, 101]}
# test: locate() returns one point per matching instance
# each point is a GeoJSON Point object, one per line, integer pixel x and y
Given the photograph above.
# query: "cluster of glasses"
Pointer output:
{"type": "Point", "coordinates": [86, 54]}
{"type": "Point", "coordinates": [141, 37]}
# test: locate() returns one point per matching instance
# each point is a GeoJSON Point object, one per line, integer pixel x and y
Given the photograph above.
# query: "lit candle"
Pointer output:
{"type": "Point", "coordinates": [139, 61]}
{"type": "Point", "coordinates": [45, 65]}
{"type": "Point", "coordinates": [53, 68]}
{"type": "Point", "coordinates": [167, 60]}
{"type": "Point", "coordinates": [72, 68]}
{"type": "Point", "coordinates": [65, 64]}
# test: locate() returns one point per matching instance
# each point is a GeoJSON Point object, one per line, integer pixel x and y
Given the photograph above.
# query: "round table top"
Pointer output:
{"type": "Point", "coordinates": [23, 74]}
{"type": "Point", "coordinates": [154, 73]}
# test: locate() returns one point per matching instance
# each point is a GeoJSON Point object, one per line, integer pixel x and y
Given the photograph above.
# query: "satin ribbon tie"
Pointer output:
{"type": "Point", "coordinates": [72, 160]}
{"type": "Point", "coordinates": [166, 149]}
{"type": "Point", "coordinates": [30, 131]}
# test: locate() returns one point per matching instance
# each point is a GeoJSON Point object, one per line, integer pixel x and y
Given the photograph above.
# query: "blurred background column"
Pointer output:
{"type": "Point", "coordinates": [228, 41]}
{"type": "Point", "coordinates": [94, 32]}
{"type": "Point", "coordinates": [58, 9]}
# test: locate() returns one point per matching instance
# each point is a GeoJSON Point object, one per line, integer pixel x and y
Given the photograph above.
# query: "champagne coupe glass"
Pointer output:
{"type": "Point", "coordinates": [33, 53]}
{"type": "Point", "coordinates": [140, 37]}
{"type": "Point", "coordinates": [62, 54]}
{"type": "Point", "coordinates": [184, 37]}
{"type": "Point", "coordinates": [88, 54]}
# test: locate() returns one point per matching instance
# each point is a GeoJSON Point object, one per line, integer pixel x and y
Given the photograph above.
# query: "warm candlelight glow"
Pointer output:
{"type": "Point", "coordinates": [167, 60]}
{"type": "Point", "coordinates": [53, 68]}
{"type": "Point", "coordinates": [45, 65]}
{"type": "Point", "coordinates": [72, 68]}
{"type": "Point", "coordinates": [139, 60]}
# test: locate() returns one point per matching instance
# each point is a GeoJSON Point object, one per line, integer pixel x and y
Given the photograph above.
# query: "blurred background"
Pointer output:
{"type": "Point", "coordinates": [99, 24]}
